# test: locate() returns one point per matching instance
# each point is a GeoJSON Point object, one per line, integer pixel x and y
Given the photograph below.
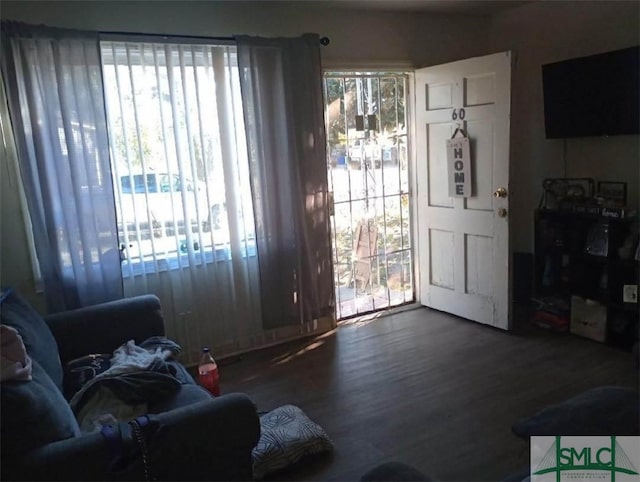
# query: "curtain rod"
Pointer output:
{"type": "Point", "coordinates": [323, 40]}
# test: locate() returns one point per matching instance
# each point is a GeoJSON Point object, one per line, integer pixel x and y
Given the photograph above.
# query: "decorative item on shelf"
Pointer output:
{"type": "Point", "coordinates": [597, 243]}
{"type": "Point", "coordinates": [612, 194]}
{"type": "Point", "coordinates": [551, 313]}
{"type": "Point", "coordinates": [593, 209]}
{"type": "Point", "coordinates": [576, 192]}
{"type": "Point", "coordinates": [566, 193]}
{"type": "Point", "coordinates": [630, 294]}
{"type": "Point", "coordinates": [617, 212]}
{"type": "Point", "coordinates": [588, 319]}
{"type": "Point", "coordinates": [554, 191]}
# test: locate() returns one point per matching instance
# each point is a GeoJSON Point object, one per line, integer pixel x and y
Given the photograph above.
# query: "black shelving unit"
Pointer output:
{"type": "Point", "coordinates": [578, 254]}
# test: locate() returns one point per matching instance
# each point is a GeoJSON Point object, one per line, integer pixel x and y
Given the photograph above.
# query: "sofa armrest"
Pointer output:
{"type": "Point", "coordinates": [104, 327]}
{"type": "Point", "coordinates": [208, 440]}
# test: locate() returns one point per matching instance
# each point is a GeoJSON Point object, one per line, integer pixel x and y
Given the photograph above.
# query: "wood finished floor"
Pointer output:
{"type": "Point", "coordinates": [424, 388]}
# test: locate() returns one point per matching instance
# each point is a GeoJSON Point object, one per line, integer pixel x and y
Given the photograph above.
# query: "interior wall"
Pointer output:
{"type": "Point", "coordinates": [368, 39]}
{"type": "Point", "coordinates": [543, 32]}
{"type": "Point", "coordinates": [15, 262]}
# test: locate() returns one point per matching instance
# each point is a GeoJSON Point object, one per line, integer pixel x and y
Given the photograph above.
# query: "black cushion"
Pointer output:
{"type": "Point", "coordinates": [599, 411]}
{"type": "Point", "coordinates": [33, 414]}
{"type": "Point", "coordinates": [39, 341]}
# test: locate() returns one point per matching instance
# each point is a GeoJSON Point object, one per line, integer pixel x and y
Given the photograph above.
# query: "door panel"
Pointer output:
{"type": "Point", "coordinates": [442, 253]}
{"type": "Point", "coordinates": [464, 242]}
{"type": "Point", "coordinates": [439, 96]}
{"type": "Point", "coordinates": [481, 135]}
{"type": "Point", "coordinates": [479, 89]}
{"type": "Point", "coordinates": [438, 184]}
{"type": "Point", "coordinates": [478, 252]}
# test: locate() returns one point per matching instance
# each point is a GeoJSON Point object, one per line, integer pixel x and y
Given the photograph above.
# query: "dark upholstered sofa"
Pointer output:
{"type": "Point", "coordinates": [195, 437]}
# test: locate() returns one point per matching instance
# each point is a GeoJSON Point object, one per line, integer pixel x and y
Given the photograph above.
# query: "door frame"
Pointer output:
{"type": "Point", "coordinates": [413, 184]}
{"type": "Point", "coordinates": [407, 70]}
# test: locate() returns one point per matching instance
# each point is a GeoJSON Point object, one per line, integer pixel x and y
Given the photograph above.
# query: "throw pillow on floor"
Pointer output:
{"type": "Point", "coordinates": [286, 435]}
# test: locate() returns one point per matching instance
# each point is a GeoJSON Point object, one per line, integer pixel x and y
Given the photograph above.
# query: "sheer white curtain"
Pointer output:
{"type": "Point", "coordinates": [10, 154]}
{"type": "Point", "coordinates": [184, 209]}
{"type": "Point", "coordinates": [54, 87]}
{"type": "Point", "coordinates": [138, 179]}
{"type": "Point", "coordinates": [281, 81]}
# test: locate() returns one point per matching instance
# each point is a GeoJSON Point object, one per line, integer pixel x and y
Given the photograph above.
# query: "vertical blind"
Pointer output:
{"type": "Point", "coordinates": [182, 193]}
{"type": "Point", "coordinates": [178, 154]}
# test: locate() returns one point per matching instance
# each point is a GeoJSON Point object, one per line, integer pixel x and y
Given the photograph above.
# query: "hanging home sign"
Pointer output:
{"type": "Point", "coordinates": [459, 164]}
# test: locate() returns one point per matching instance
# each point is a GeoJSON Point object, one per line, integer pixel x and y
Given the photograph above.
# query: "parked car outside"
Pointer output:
{"type": "Point", "coordinates": [162, 198]}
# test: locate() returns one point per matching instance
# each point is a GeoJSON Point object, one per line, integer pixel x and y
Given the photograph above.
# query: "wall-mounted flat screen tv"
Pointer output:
{"type": "Point", "coordinates": [598, 95]}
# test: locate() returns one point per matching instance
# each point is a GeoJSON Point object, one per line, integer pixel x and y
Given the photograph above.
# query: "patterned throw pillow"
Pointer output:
{"type": "Point", "coordinates": [286, 434]}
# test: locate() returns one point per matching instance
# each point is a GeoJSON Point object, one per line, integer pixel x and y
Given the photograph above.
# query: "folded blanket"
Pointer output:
{"type": "Point", "coordinates": [138, 375]}
{"type": "Point", "coordinates": [152, 352]}
{"type": "Point", "coordinates": [14, 361]}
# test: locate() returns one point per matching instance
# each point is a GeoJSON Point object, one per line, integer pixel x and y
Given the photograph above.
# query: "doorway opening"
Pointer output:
{"type": "Point", "coordinates": [368, 172]}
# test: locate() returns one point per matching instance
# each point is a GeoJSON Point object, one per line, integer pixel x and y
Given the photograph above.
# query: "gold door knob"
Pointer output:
{"type": "Point", "coordinates": [500, 192]}
{"type": "Point", "coordinates": [502, 212]}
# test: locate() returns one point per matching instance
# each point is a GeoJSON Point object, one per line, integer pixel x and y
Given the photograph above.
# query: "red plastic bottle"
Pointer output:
{"type": "Point", "coordinates": [208, 375]}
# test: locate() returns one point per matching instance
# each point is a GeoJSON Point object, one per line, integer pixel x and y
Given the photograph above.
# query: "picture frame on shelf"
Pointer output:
{"type": "Point", "coordinates": [613, 193]}
{"type": "Point", "coordinates": [565, 193]}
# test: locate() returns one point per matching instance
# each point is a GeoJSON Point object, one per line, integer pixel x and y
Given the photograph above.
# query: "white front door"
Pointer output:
{"type": "Point", "coordinates": [464, 242]}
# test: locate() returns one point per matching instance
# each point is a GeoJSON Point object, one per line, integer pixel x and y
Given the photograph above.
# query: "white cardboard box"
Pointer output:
{"type": "Point", "coordinates": [588, 319]}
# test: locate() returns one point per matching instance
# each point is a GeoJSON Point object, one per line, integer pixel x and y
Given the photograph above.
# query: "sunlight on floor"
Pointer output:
{"type": "Point", "coordinates": [314, 343]}
{"type": "Point", "coordinates": [352, 303]}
